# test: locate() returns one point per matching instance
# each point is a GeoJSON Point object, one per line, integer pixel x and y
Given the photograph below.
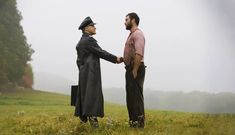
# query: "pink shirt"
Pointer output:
{"type": "Point", "coordinates": [134, 45]}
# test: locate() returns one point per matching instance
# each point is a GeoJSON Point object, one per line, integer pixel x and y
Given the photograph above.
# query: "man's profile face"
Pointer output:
{"type": "Point", "coordinates": [91, 29]}
{"type": "Point", "coordinates": [128, 23]}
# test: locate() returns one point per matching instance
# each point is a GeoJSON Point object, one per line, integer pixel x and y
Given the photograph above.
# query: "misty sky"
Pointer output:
{"type": "Point", "coordinates": [190, 44]}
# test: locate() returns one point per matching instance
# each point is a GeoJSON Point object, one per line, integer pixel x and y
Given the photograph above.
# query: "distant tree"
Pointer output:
{"type": "Point", "coordinates": [27, 78]}
{"type": "Point", "coordinates": [15, 52]}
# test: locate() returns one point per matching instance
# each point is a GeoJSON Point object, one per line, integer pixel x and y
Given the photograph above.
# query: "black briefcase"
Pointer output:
{"type": "Point", "coordinates": [74, 91]}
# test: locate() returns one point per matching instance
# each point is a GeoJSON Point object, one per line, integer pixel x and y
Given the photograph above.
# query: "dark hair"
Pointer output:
{"type": "Point", "coordinates": [134, 16]}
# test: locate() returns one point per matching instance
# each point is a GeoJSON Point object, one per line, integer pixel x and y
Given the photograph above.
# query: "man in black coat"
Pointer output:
{"type": "Point", "coordinates": [90, 104]}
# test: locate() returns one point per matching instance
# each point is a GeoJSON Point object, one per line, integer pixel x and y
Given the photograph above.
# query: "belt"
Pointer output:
{"type": "Point", "coordinates": [130, 67]}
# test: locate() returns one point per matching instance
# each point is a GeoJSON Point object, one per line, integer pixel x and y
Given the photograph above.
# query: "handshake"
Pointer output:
{"type": "Point", "coordinates": [119, 60]}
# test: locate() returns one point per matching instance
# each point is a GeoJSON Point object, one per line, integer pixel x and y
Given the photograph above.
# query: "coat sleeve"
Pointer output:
{"type": "Point", "coordinates": [94, 48]}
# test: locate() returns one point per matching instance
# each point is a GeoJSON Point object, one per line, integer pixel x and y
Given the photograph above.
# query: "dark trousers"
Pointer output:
{"type": "Point", "coordinates": [134, 96]}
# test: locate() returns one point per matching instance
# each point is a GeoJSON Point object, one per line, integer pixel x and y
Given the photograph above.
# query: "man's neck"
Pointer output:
{"type": "Point", "coordinates": [134, 28]}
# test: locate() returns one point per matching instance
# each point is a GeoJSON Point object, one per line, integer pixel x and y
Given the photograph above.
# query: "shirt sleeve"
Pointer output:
{"type": "Point", "coordinates": [139, 43]}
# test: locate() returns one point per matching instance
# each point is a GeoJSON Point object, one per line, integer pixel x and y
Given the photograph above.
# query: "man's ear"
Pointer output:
{"type": "Point", "coordinates": [133, 21]}
{"type": "Point", "coordinates": [85, 28]}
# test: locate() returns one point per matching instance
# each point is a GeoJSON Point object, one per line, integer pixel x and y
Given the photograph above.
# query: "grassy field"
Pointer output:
{"type": "Point", "coordinates": [34, 112]}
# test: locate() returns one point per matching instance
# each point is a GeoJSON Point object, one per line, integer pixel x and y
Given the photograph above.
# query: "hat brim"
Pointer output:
{"type": "Point", "coordinates": [91, 24]}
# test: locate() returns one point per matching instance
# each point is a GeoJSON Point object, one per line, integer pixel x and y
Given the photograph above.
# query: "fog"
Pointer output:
{"type": "Point", "coordinates": [189, 43]}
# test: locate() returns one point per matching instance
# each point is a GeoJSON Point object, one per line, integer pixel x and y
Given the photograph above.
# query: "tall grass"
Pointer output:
{"type": "Point", "coordinates": [35, 112]}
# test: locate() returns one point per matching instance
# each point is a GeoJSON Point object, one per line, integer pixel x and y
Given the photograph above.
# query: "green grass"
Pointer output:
{"type": "Point", "coordinates": [34, 112]}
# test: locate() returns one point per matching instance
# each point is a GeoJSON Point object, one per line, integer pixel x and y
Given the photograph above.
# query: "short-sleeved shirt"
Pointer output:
{"type": "Point", "coordinates": [134, 45]}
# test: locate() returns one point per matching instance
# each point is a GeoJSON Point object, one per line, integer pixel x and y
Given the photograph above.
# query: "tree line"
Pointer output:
{"type": "Point", "coordinates": [15, 52]}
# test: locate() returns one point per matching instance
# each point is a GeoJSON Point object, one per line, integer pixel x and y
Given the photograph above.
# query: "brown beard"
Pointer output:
{"type": "Point", "coordinates": [129, 26]}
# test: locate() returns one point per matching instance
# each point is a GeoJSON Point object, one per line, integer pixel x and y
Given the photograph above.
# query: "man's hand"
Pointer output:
{"type": "Point", "coordinates": [137, 61]}
{"type": "Point", "coordinates": [119, 60]}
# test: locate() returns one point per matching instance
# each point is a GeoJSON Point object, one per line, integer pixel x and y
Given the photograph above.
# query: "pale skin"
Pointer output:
{"type": "Point", "coordinates": [91, 30]}
{"type": "Point", "coordinates": [137, 57]}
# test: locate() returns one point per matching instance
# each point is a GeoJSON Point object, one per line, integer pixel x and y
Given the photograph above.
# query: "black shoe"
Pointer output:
{"type": "Point", "coordinates": [133, 124]}
{"type": "Point", "coordinates": [141, 121]}
{"type": "Point", "coordinates": [83, 119]}
{"type": "Point", "coordinates": [94, 122]}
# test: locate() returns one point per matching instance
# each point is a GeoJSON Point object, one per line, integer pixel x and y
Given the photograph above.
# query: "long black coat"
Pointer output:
{"type": "Point", "coordinates": [90, 97]}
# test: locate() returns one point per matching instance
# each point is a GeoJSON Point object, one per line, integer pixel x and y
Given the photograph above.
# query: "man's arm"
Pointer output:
{"type": "Point", "coordinates": [136, 64]}
{"type": "Point", "coordinates": [93, 47]}
{"type": "Point", "coordinates": [139, 43]}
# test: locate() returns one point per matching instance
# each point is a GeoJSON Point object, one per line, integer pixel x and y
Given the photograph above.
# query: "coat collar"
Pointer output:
{"type": "Point", "coordinates": [85, 34]}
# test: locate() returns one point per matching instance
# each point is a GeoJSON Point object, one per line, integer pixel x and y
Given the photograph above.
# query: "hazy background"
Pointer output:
{"type": "Point", "coordinates": [189, 43]}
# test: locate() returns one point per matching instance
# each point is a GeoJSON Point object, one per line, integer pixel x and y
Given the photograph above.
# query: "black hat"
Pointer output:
{"type": "Point", "coordinates": [87, 21]}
